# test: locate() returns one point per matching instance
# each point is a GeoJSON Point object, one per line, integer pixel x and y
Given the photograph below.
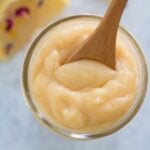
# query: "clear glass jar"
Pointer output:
{"type": "Point", "coordinates": [142, 66]}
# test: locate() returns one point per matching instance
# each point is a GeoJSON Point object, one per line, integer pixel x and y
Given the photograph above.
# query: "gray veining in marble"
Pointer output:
{"type": "Point", "coordinates": [20, 131]}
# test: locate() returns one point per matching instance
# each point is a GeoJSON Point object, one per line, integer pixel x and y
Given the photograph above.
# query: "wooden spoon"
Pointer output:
{"type": "Point", "coordinates": [101, 45]}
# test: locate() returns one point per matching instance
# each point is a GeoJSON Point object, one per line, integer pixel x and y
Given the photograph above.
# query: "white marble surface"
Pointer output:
{"type": "Point", "coordinates": [20, 131]}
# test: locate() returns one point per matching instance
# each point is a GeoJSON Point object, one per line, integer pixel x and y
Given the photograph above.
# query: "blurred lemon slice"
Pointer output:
{"type": "Point", "coordinates": [3, 6]}
{"type": "Point", "coordinates": [19, 19]}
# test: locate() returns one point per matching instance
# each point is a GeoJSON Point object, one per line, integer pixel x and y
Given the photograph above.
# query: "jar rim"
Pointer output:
{"type": "Point", "coordinates": [67, 133]}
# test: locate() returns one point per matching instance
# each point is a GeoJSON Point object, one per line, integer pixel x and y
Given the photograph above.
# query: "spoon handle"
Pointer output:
{"type": "Point", "coordinates": [112, 16]}
{"type": "Point", "coordinates": [101, 45]}
{"type": "Point", "coordinates": [106, 33]}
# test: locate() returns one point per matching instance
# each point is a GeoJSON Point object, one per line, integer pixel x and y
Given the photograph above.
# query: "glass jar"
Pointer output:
{"type": "Point", "coordinates": [142, 86]}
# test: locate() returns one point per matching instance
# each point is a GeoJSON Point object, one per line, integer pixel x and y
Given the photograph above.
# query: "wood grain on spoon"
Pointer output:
{"type": "Point", "coordinates": [101, 45]}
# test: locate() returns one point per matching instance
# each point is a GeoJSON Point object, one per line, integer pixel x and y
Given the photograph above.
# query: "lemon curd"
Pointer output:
{"type": "Point", "coordinates": [84, 95]}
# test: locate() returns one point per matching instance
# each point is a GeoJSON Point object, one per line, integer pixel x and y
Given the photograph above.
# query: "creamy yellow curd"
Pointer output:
{"type": "Point", "coordinates": [84, 95]}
